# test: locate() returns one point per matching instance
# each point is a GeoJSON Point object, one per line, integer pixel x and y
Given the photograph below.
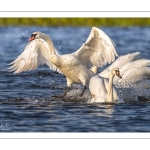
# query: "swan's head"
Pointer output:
{"type": "Point", "coordinates": [35, 35]}
{"type": "Point", "coordinates": [116, 72]}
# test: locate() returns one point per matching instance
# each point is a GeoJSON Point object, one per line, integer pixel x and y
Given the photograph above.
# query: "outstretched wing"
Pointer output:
{"type": "Point", "coordinates": [119, 63]}
{"type": "Point", "coordinates": [35, 53]}
{"type": "Point", "coordinates": [98, 49]}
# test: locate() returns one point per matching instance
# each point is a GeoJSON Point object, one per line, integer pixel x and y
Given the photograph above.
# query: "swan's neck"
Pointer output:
{"type": "Point", "coordinates": [110, 89]}
{"type": "Point", "coordinates": [49, 42]}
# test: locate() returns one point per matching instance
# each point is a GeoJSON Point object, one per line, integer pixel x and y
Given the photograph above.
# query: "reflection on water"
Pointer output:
{"type": "Point", "coordinates": [29, 101]}
{"type": "Point", "coordinates": [107, 111]}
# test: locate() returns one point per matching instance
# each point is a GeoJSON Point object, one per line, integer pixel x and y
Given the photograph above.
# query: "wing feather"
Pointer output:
{"type": "Point", "coordinates": [120, 62]}
{"type": "Point", "coordinates": [136, 74]}
{"type": "Point", "coordinates": [98, 49]}
{"type": "Point", "coordinates": [35, 53]}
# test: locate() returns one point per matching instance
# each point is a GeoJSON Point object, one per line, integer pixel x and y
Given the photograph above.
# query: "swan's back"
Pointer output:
{"type": "Point", "coordinates": [120, 62]}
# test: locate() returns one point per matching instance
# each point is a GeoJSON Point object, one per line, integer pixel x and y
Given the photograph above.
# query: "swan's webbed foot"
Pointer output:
{"type": "Point", "coordinates": [64, 94]}
{"type": "Point", "coordinates": [83, 91]}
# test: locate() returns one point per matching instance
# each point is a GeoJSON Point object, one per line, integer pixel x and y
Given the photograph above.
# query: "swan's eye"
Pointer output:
{"type": "Point", "coordinates": [33, 35]}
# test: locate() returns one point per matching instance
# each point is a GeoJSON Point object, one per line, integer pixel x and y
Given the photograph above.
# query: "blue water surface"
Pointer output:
{"type": "Point", "coordinates": [27, 101]}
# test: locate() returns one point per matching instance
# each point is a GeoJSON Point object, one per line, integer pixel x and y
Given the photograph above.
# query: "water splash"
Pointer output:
{"type": "Point", "coordinates": [132, 92]}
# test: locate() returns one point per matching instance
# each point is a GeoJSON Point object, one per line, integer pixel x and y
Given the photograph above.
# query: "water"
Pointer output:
{"type": "Point", "coordinates": [28, 102]}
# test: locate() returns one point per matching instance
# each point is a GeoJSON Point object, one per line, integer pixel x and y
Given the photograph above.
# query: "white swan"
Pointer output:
{"type": "Point", "coordinates": [132, 68]}
{"type": "Point", "coordinates": [98, 50]}
{"type": "Point", "coordinates": [103, 90]}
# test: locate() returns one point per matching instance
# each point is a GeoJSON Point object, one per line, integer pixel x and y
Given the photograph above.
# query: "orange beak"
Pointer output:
{"type": "Point", "coordinates": [31, 39]}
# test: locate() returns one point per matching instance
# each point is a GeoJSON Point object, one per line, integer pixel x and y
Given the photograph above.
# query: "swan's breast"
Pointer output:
{"type": "Point", "coordinates": [71, 67]}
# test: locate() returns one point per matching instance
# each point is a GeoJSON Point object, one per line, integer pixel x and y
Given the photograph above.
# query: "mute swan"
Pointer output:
{"type": "Point", "coordinates": [103, 90]}
{"type": "Point", "coordinates": [98, 50]}
{"type": "Point", "coordinates": [132, 68]}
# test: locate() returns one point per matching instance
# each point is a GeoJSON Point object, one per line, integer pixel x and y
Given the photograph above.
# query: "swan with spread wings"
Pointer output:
{"type": "Point", "coordinates": [98, 50]}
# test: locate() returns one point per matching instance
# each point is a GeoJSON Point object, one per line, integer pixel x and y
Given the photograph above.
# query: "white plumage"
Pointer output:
{"type": "Point", "coordinates": [132, 69]}
{"type": "Point", "coordinates": [102, 89]}
{"type": "Point", "coordinates": [98, 50]}
{"type": "Point", "coordinates": [35, 53]}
